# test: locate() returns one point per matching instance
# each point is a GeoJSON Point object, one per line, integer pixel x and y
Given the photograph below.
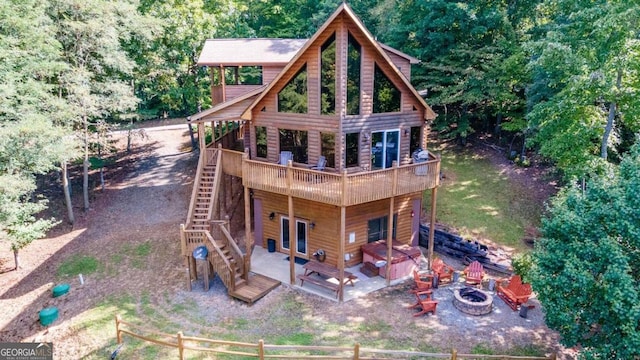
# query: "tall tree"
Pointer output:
{"type": "Point", "coordinates": [464, 48]}
{"type": "Point", "coordinates": [96, 84]}
{"type": "Point", "coordinates": [584, 98]}
{"type": "Point", "coordinates": [586, 272]}
{"type": "Point", "coordinates": [32, 140]}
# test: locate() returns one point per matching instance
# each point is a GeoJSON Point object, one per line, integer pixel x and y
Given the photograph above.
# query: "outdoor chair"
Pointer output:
{"type": "Point", "coordinates": [442, 270]}
{"type": "Point", "coordinates": [424, 301]}
{"type": "Point", "coordinates": [474, 273]}
{"type": "Point", "coordinates": [515, 292]}
{"type": "Point", "coordinates": [322, 162]}
{"type": "Point", "coordinates": [421, 282]}
{"type": "Point", "coordinates": [285, 156]}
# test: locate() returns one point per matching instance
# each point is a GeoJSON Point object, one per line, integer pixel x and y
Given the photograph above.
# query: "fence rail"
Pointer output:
{"type": "Point", "coordinates": [265, 351]}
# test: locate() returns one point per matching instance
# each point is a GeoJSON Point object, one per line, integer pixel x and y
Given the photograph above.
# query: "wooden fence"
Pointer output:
{"type": "Point", "coordinates": [261, 350]}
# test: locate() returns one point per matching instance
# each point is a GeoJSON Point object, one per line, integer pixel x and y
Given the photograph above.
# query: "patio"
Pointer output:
{"type": "Point", "coordinates": [275, 266]}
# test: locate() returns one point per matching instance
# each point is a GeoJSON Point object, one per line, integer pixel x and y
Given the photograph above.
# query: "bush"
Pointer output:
{"type": "Point", "coordinates": [522, 265]}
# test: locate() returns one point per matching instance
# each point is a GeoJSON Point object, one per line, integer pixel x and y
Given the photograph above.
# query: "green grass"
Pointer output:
{"type": "Point", "coordinates": [78, 264]}
{"type": "Point", "coordinates": [480, 202]}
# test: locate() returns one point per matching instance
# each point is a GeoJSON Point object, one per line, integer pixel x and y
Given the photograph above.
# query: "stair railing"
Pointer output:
{"type": "Point", "coordinates": [228, 240]}
{"type": "Point", "coordinates": [194, 191]}
{"type": "Point", "coordinates": [221, 265]}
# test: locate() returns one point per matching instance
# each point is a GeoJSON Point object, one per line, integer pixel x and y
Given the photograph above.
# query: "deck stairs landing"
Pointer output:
{"type": "Point", "coordinates": [225, 257]}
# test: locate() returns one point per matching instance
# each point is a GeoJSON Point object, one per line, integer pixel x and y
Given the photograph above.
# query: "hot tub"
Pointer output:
{"type": "Point", "coordinates": [404, 258]}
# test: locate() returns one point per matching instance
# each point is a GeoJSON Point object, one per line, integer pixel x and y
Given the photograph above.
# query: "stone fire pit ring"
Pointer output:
{"type": "Point", "coordinates": [472, 301]}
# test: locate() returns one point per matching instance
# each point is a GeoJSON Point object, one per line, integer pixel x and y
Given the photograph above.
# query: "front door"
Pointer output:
{"type": "Point", "coordinates": [385, 148]}
{"type": "Point", "coordinates": [301, 236]}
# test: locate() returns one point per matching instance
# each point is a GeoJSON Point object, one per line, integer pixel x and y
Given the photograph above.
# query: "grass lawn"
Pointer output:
{"type": "Point", "coordinates": [479, 201]}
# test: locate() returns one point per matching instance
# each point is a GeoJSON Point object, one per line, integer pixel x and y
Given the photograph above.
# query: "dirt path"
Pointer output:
{"type": "Point", "coordinates": [145, 200]}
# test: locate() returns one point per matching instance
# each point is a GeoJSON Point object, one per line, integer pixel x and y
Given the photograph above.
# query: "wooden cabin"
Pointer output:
{"type": "Point", "coordinates": [324, 130]}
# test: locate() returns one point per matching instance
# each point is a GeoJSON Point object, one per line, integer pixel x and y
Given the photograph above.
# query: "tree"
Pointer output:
{"type": "Point", "coordinates": [465, 48]}
{"type": "Point", "coordinates": [586, 272]}
{"type": "Point", "coordinates": [96, 84]}
{"type": "Point", "coordinates": [584, 99]}
{"type": "Point", "coordinates": [32, 140]}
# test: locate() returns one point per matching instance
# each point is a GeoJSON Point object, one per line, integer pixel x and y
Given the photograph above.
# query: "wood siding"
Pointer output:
{"type": "Point", "coordinates": [326, 233]}
{"type": "Point", "coordinates": [403, 64]}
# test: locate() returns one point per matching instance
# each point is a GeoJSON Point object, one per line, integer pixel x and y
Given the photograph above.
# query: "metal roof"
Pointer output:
{"type": "Point", "coordinates": [249, 51]}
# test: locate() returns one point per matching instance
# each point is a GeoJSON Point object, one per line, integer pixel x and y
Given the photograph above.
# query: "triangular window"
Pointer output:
{"type": "Point", "coordinates": [386, 96]}
{"type": "Point", "coordinates": [293, 97]}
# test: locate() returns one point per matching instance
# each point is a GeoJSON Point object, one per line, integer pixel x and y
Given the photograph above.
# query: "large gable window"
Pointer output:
{"type": "Point", "coordinates": [293, 97]}
{"type": "Point", "coordinates": [328, 148]}
{"type": "Point", "coordinates": [354, 58]}
{"type": "Point", "coordinates": [386, 96]}
{"type": "Point", "coordinates": [328, 76]}
{"type": "Point", "coordinates": [296, 142]}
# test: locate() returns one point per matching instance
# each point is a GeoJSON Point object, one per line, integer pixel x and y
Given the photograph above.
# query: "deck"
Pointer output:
{"type": "Point", "coordinates": [341, 189]}
{"type": "Point", "coordinates": [255, 288]}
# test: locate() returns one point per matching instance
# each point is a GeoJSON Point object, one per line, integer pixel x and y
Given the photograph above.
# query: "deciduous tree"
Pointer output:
{"type": "Point", "coordinates": [586, 274]}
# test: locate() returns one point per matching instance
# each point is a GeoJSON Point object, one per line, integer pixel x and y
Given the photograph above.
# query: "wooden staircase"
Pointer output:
{"type": "Point", "coordinates": [224, 255]}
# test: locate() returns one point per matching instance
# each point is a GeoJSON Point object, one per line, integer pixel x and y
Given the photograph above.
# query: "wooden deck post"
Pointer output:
{"type": "Point", "coordinates": [292, 225]}
{"type": "Point", "coordinates": [248, 241]}
{"type": "Point", "coordinates": [343, 235]}
{"type": "Point", "coordinates": [432, 225]}
{"type": "Point", "coordinates": [392, 203]}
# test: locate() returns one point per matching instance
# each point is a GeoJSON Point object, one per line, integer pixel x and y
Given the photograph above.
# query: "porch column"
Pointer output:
{"type": "Point", "coordinates": [201, 140]}
{"type": "Point", "coordinates": [432, 225]}
{"type": "Point", "coordinates": [292, 226]}
{"type": "Point", "coordinates": [392, 202]}
{"type": "Point", "coordinates": [248, 241]}
{"type": "Point", "coordinates": [343, 222]}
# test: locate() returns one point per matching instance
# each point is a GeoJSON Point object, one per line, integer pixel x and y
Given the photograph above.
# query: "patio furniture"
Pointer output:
{"type": "Point", "coordinates": [424, 301]}
{"type": "Point", "coordinates": [285, 156]}
{"type": "Point", "coordinates": [322, 162]}
{"type": "Point", "coordinates": [474, 273]}
{"type": "Point", "coordinates": [515, 292]}
{"type": "Point", "coordinates": [442, 270]}
{"type": "Point", "coordinates": [421, 282]}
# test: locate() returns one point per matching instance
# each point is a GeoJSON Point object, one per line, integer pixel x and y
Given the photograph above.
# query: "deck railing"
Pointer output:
{"type": "Point", "coordinates": [340, 189]}
{"type": "Point", "coordinates": [191, 239]}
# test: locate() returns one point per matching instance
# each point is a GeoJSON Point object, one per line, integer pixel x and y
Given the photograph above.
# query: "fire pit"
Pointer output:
{"type": "Point", "coordinates": [472, 301]}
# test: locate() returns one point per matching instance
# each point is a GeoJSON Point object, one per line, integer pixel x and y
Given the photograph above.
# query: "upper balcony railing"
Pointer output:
{"type": "Point", "coordinates": [341, 189]}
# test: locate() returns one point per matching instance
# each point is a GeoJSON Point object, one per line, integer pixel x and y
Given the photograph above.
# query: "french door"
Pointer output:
{"type": "Point", "coordinates": [385, 148]}
{"type": "Point", "coordinates": [301, 235]}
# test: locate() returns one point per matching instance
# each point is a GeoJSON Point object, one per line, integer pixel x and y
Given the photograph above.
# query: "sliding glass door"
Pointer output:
{"type": "Point", "coordinates": [385, 148]}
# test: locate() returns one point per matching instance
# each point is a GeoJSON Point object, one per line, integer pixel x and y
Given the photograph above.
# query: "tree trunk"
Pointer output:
{"type": "Point", "coordinates": [497, 130]}
{"type": "Point", "coordinates": [85, 165]}
{"type": "Point", "coordinates": [16, 259]}
{"type": "Point", "coordinates": [610, 120]}
{"type": "Point", "coordinates": [67, 193]}
{"type": "Point", "coordinates": [194, 144]}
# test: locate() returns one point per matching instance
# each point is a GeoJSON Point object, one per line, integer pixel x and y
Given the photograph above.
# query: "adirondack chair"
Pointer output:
{"type": "Point", "coordinates": [442, 270]}
{"type": "Point", "coordinates": [424, 301]}
{"type": "Point", "coordinates": [322, 162]}
{"type": "Point", "coordinates": [421, 282]}
{"type": "Point", "coordinates": [514, 293]}
{"type": "Point", "coordinates": [474, 273]}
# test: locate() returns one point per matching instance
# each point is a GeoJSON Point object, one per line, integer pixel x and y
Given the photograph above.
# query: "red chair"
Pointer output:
{"type": "Point", "coordinates": [474, 273]}
{"type": "Point", "coordinates": [425, 302]}
{"type": "Point", "coordinates": [444, 271]}
{"type": "Point", "coordinates": [421, 282]}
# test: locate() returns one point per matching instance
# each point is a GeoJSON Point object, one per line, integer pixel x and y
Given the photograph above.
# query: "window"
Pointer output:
{"type": "Point", "coordinates": [243, 75]}
{"type": "Point", "coordinates": [293, 97]}
{"type": "Point", "coordinates": [386, 97]}
{"type": "Point", "coordinates": [328, 77]}
{"type": "Point", "coordinates": [415, 143]}
{"type": "Point", "coordinates": [296, 142]}
{"type": "Point", "coordinates": [354, 57]}
{"type": "Point", "coordinates": [351, 149]}
{"type": "Point", "coordinates": [378, 228]}
{"type": "Point", "coordinates": [328, 148]}
{"type": "Point", "coordinates": [261, 141]}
